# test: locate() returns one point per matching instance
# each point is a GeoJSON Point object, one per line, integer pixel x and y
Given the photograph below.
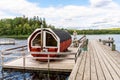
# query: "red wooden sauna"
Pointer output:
{"type": "Point", "coordinates": [48, 40]}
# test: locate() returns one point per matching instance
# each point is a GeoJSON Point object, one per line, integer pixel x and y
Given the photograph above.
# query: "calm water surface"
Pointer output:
{"type": "Point", "coordinates": [103, 37]}
{"type": "Point", "coordinates": [38, 75]}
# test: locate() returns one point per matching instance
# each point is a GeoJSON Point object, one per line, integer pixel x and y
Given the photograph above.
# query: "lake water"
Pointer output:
{"type": "Point", "coordinates": [104, 37]}
{"type": "Point", "coordinates": [39, 75]}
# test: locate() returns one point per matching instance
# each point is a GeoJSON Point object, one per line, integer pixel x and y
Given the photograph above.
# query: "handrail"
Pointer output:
{"type": "Point", "coordinates": [55, 58]}
{"type": "Point", "coordinates": [16, 48]}
{"type": "Point", "coordinates": [58, 53]}
{"type": "Point", "coordinates": [84, 36]}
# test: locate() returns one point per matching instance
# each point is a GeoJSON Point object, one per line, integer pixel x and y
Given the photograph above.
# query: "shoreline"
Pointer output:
{"type": "Point", "coordinates": [15, 36]}
{"type": "Point", "coordinates": [26, 36]}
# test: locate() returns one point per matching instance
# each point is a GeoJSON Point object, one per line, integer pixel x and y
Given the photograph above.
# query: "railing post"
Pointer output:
{"type": "Point", "coordinates": [23, 48]}
{"type": "Point", "coordinates": [48, 60]}
{"type": "Point", "coordinates": [48, 65]}
{"type": "Point", "coordinates": [113, 47]}
{"type": "Point", "coordinates": [75, 57]}
{"type": "Point", "coordinates": [79, 52]}
{"type": "Point", "coordinates": [23, 55]}
{"type": "Point", "coordinates": [2, 58]}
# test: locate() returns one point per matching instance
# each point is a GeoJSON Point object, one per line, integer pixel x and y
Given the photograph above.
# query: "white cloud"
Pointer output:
{"type": "Point", "coordinates": [100, 14]}
{"type": "Point", "coordinates": [103, 3]}
{"type": "Point", "coordinates": [18, 7]}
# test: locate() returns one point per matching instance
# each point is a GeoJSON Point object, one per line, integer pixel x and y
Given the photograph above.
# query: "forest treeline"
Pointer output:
{"type": "Point", "coordinates": [25, 26]}
{"type": "Point", "coordinates": [98, 31]}
{"type": "Point", "coordinates": [21, 25]}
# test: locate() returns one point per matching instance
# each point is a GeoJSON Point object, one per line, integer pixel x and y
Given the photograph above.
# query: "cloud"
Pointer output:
{"type": "Point", "coordinates": [100, 3]}
{"type": "Point", "coordinates": [103, 3]}
{"type": "Point", "coordinates": [19, 7]}
{"type": "Point", "coordinates": [99, 14]}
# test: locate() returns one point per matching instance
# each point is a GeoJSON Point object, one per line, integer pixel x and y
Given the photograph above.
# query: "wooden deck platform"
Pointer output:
{"type": "Point", "coordinates": [7, 42]}
{"type": "Point", "coordinates": [98, 63]}
{"type": "Point", "coordinates": [31, 64]}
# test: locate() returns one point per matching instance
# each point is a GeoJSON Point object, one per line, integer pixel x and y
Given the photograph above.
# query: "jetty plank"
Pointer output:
{"type": "Point", "coordinates": [94, 62]}
{"type": "Point", "coordinates": [87, 67]}
{"type": "Point", "coordinates": [107, 64]}
{"type": "Point", "coordinates": [76, 68]}
{"type": "Point", "coordinates": [80, 73]}
{"type": "Point", "coordinates": [112, 63]}
{"type": "Point", "coordinates": [99, 63]}
{"type": "Point", "coordinates": [114, 55]}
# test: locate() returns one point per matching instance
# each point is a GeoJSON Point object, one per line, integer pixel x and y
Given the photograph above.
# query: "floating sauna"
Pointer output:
{"type": "Point", "coordinates": [48, 40]}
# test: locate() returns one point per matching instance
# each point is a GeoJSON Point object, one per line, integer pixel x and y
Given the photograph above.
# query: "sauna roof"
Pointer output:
{"type": "Point", "coordinates": [63, 35]}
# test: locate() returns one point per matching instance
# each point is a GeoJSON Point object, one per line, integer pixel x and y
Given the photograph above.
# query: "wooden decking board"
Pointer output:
{"type": "Point", "coordinates": [113, 69]}
{"type": "Point", "coordinates": [112, 63]}
{"type": "Point", "coordinates": [62, 65]}
{"type": "Point", "coordinates": [76, 68]}
{"type": "Point", "coordinates": [87, 67]}
{"type": "Point", "coordinates": [114, 54]}
{"type": "Point", "coordinates": [80, 74]}
{"type": "Point", "coordinates": [111, 59]}
{"type": "Point", "coordinates": [115, 57]}
{"type": "Point", "coordinates": [99, 63]}
{"type": "Point", "coordinates": [104, 67]}
{"type": "Point", "coordinates": [93, 70]}
{"type": "Point", "coordinates": [108, 64]}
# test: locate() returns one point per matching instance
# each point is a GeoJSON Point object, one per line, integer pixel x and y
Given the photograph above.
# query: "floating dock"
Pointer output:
{"type": "Point", "coordinates": [64, 62]}
{"type": "Point", "coordinates": [30, 63]}
{"type": "Point", "coordinates": [98, 63]}
{"type": "Point", "coordinates": [7, 41]}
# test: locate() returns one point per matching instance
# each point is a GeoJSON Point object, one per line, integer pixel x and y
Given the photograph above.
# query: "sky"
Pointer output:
{"type": "Point", "coordinates": [72, 14]}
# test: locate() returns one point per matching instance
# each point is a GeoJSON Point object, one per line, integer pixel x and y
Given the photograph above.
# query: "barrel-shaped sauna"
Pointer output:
{"type": "Point", "coordinates": [48, 40]}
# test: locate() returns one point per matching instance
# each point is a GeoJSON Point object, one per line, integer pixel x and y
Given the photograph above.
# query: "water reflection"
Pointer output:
{"type": "Point", "coordinates": [32, 75]}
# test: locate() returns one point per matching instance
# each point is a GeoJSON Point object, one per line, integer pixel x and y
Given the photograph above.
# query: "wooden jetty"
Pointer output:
{"type": "Point", "coordinates": [98, 63]}
{"type": "Point", "coordinates": [7, 41]}
{"type": "Point", "coordinates": [28, 62]}
{"type": "Point", "coordinates": [65, 62]}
